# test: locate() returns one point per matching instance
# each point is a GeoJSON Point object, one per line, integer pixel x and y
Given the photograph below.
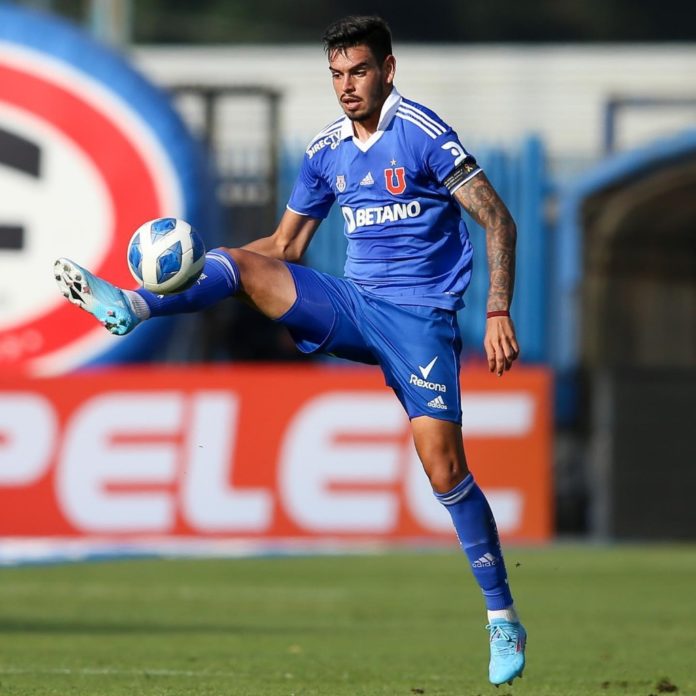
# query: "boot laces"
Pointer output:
{"type": "Point", "coordinates": [503, 639]}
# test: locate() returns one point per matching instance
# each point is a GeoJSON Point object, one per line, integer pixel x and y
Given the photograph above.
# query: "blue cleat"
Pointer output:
{"type": "Point", "coordinates": [508, 641]}
{"type": "Point", "coordinates": [105, 301]}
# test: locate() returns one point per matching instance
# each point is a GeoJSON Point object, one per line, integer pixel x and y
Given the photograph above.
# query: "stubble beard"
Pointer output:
{"type": "Point", "coordinates": [377, 100]}
{"type": "Point", "coordinates": [359, 118]}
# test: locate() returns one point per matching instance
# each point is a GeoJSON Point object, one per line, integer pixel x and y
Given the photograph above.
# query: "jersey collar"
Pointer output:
{"type": "Point", "coordinates": [386, 116]}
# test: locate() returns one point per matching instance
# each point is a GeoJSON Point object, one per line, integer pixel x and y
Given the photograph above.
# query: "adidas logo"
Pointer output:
{"type": "Point", "coordinates": [438, 402]}
{"type": "Point", "coordinates": [367, 180]}
{"type": "Point", "coordinates": [486, 561]}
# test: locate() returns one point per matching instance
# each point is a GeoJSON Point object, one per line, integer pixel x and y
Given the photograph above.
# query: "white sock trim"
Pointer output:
{"type": "Point", "coordinates": [508, 614]}
{"type": "Point", "coordinates": [138, 305]}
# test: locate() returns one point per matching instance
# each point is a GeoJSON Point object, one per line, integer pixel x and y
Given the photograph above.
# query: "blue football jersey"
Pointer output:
{"type": "Point", "coordinates": [407, 241]}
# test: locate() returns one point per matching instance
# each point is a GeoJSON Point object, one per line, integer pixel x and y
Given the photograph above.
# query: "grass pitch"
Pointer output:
{"type": "Point", "coordinates": [600, 620]}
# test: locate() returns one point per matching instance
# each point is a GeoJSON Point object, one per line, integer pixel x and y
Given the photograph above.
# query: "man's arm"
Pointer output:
{"type": "Point", "coordinates": [289, 241]}
{"type": "Point", "coordinates": [478, 197]}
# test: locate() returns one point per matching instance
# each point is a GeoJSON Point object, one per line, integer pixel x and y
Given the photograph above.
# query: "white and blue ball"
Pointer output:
{"type": "Point", "coordinates": [166, 255]}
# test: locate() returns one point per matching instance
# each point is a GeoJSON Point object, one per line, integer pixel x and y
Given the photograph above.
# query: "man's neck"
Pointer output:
{"type": "Point", "coordinates": [364, 130]}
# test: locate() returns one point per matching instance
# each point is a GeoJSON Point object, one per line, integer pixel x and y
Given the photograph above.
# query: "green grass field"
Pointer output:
{"type": "Point", "coordinates": [601, 621]}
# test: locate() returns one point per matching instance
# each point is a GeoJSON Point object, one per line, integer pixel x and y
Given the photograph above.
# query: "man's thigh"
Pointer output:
{"type": "Point", "coordinates": [418, 349]}
{"type": "Point", "coordinates": [326, 317]}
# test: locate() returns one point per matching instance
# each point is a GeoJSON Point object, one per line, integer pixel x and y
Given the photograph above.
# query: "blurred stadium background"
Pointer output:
{"type": "Point", "coordinates": [210, 435]}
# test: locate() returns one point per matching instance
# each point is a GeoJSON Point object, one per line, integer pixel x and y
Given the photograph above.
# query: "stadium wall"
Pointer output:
{"type": "Point", "coordinates": [490, 94]}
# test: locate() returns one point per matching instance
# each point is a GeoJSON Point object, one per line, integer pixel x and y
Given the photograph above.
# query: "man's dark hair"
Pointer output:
{"type": "Point", "coordinates": [356, 30]}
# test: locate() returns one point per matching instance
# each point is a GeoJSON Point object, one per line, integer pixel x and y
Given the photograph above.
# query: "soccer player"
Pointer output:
{"type": "Point", "coordinates": [399, 174]}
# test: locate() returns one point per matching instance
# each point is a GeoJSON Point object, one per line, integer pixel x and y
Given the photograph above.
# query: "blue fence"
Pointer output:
{"type": "Point", "coordinates": [521, 178]}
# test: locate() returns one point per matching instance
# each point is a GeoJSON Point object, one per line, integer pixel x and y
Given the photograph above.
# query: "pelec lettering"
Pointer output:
{"type": "Point", "coordinates": [379, 215]}
{"type": "Point", "coordinates": [107, 486]}
{"type": "Point", "coordinates": [147, 460]}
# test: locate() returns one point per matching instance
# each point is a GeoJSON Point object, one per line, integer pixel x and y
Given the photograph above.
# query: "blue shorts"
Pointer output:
{"type": "Point", "coordinates": [417, 347]}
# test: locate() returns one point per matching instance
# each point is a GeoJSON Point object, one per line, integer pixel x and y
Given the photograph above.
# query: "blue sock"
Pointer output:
{"type": "Point", "coordinates": [219, 279]}
{"type": "Point", "coordinates": [478, 536]}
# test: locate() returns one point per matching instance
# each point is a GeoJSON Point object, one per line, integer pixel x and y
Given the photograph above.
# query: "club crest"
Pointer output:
{"type": "Point", "coordinates": [341, 183]}
{"type": "Point", "coordinates": [395, 179]}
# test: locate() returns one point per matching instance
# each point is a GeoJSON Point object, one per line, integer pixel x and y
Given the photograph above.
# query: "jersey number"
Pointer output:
{"type": "Point", "coordinates": [456, 151]}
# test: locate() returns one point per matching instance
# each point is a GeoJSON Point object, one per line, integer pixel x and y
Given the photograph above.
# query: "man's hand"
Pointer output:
{"type": "Point", "coordinates": [501, 344]}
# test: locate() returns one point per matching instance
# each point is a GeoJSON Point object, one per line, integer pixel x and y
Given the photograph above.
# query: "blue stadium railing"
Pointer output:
{"type": "Point", "coordinates": [521, 177]}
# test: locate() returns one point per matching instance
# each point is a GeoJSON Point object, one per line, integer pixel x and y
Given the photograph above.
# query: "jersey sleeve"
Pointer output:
{"type": "Point", "coordinates": [450, 163]}
{"type": "Point", "coordinates": [311, 194]}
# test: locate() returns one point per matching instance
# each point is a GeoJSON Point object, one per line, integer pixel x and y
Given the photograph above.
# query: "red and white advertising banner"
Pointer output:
{"type": "Point", "coordinates": [265, 452]}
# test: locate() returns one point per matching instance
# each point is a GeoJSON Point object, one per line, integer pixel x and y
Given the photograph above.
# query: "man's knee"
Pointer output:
{"type": "Point", "coordinates": [247, 262]}
{"type": "Point", "coordinates": [445, 474]}
{"type": "Point", "coordinates": [266, 282]}
{"type": "Point", "coordinates": [441, 451]}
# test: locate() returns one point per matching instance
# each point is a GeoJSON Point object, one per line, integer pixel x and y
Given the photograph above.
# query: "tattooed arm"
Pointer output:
{"type": "Point", "coordinates": [478, 197]}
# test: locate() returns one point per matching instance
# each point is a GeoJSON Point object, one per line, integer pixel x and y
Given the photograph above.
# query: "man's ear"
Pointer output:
{"type": "Point", "coordinates": [389, 68]}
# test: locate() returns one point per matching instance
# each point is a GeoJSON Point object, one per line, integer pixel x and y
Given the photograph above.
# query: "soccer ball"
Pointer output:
{"type": "Point", "coordinates": [166, 255]}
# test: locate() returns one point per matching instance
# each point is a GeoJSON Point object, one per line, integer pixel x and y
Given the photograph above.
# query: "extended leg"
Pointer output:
{"type": "Point", "coordinates": [264, 282]}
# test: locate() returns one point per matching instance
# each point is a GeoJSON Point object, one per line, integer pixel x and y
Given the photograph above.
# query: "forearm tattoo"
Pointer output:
{"type": "Point", "coordinates": [480, 200]}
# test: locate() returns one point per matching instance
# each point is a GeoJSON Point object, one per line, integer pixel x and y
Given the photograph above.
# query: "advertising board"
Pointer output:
{"type": "Point", "coordinates": [268, 452]}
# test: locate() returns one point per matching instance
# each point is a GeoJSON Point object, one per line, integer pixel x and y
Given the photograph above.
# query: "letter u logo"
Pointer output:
{"type": "Point", "coordinates": [395, 180]}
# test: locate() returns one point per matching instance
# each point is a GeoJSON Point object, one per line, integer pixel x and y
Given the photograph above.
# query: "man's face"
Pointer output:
{"type": "Point", "coordinates": [360, 83]}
